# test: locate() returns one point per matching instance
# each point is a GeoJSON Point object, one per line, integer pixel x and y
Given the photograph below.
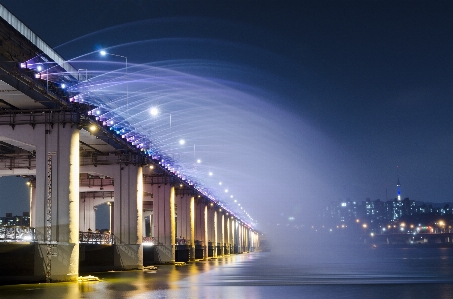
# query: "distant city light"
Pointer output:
{"type": "Point", "coordinates": [182, 142]}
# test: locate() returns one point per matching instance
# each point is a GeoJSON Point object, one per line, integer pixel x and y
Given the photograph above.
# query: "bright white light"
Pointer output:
{"type": "Point", "coordinates": [182, 142]}
{"type": "Point", "coordinates": [27, 238]}
{"type": "Point", "coordinates": [231, 196]}
{"type": "Point", "coordinates": [235, 200]}
{"type": "Point", "coordinates": [63, 86]}
{"type": "Point", "coordinates": [220, 183]}
{"type": "Point", "coordinates": [198, 161]}
{"type": "Point", "coordinates": [210, 173]}
{"type": "Point", "coordinates": [39, 68]}
{"type": "Point", "coordinates": [226, 190]}
{"type": "Point", "coordinates": [103, 53]}
{"type": "Point", "coordinates": [154, 111]}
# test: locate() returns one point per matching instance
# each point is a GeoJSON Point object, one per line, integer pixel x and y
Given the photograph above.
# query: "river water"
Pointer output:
{"type": "Point", "coordinates": [323, 272]}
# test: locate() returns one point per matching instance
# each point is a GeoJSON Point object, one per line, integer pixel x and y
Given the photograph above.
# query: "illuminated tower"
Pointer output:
{"type": "Point", "coordinates": [398, 186]}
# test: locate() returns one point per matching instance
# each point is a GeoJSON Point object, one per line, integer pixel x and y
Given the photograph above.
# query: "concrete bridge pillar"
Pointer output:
{"type": "Point", "coordinates": [128, 215]}
{"type": "Point", "coordinates": [227, 234]}
{"type": "Point", "coordinates": [192, 227]}
{"type": "Point", "coordinates": [87, 215]}
{"type": "Point", "coordinates": [183, 223]}
{"type": "Point", "coordinates": [239, 236]}
{"type": "Point", "coordinates": [33, 205]}
{"type": "Point", "coordinates": [164, 221]}
{"type": "Point", "coordinates": [216, 233]}
{"type": "Point", "coordinates": [233, 235]}
{"type": "Point", "coordinates": [126, 212]}
{"type": "Point", "coordinates": [57, 180]}
{"type": "Point", "coordinates": [201, 227]}
{"type": "Point", "coordinates": [54, 203]}
{"type": "Point", "coordinates": [211, 229]}
{"type": "Point", "coordinates": [221, 230]}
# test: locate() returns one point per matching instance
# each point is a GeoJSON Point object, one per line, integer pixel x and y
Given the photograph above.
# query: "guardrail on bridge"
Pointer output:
{"type": "Point", "coordinates": [17, 234]}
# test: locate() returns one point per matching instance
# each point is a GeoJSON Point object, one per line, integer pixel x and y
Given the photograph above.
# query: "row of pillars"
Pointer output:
{"type": "Point", "coordinates": [55, 206]}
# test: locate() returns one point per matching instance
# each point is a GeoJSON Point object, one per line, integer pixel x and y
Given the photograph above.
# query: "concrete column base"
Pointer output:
{"type": "Point", "coordinates": [64, 262]}
{"type": "Point", "coordinates": [128, 256]}
{"type": "Point", "coordinates": [163, 254]}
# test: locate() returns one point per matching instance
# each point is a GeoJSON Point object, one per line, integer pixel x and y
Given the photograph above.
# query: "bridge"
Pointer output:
{"type": "Point", "coordinates": [74, 160]}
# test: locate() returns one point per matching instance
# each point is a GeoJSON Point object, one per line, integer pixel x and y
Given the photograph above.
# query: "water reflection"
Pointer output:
{"type": "Point", "coordinates": [342, 273]}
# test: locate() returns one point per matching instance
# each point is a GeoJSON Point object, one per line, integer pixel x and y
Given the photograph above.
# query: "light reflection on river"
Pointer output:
{"type": "Point", "coordinates": [321, 273]}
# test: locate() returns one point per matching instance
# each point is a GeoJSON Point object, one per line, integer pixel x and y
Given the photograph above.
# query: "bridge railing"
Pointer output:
{"type": "Point", "coordinates": [96, 238]}
{"type": "Point", "coordinates": [17, 234]}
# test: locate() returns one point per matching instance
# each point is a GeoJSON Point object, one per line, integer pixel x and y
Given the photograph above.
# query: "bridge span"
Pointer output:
{"type": "Point", "coordinates": [74, 163]}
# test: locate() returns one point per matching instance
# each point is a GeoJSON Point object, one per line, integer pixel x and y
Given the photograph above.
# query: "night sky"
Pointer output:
{"type": "Point", "coordinates": [340, 97]}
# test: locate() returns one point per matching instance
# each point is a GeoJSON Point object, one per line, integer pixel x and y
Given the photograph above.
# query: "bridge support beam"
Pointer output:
{"type": "Point", "coordinates": [87, 215]}
{"type": "Point", "coordinates": [201, 229]}
{"type": "Point", "coordinates": [164, 221]}
{"type": "Point", "coordinates": [216, 234]}
{"type": "Point", "coordinates": [128, 214]}
{"type": "Point", "coordinates": [192, 228]}
{"type": "Point", "coordinates": [127, 210]}
{"type": "Point", "coordinates": [55, 201]}
{"type": "Point", "coordinates": [221, 232]}
{"type": "Point", "coordinates": [227, 235]}
{"type": "Point", "coordinates": [185, 224]}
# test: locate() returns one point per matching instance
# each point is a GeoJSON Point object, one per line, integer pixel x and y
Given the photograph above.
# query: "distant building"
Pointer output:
{"type": "Point", "coordinates": [10, 220]}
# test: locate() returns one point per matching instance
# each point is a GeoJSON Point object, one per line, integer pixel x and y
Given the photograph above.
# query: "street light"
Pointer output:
{"type": "Point", "coordinates": [103, 53]}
